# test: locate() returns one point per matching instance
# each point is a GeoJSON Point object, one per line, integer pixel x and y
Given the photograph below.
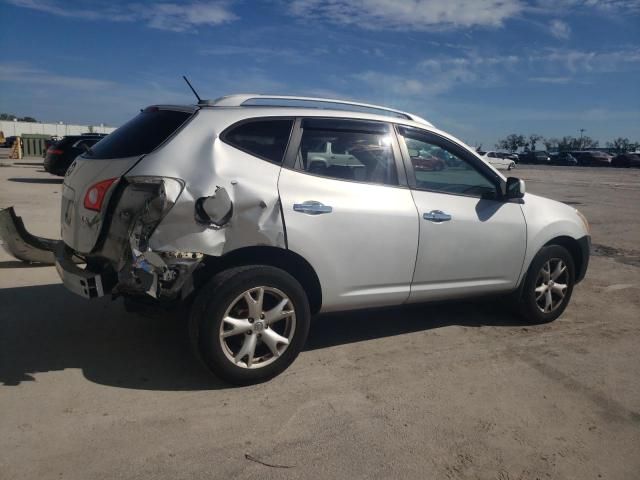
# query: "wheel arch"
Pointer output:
{"type": "Point", "coordinates": [573, 247]}
{"type": "Point", "coordinates": [291, 262]}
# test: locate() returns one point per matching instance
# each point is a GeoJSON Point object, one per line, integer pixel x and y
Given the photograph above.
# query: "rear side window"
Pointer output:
{"type": "Point", "coordinates": [140, 135]}
{"type": "Point", "coordinates": [266, 139]}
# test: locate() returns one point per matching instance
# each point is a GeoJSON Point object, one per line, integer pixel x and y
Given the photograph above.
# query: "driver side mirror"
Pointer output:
{"type": "Point", "coordinates": [515, 188]}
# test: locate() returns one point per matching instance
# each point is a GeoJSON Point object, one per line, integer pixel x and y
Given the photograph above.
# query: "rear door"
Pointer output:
{"type": "Point", "coordinates": [471, 241]}
{"type": "Point", "coordinates": [356, 224]}
{"type": "Point", "coordinates": [110, 158]}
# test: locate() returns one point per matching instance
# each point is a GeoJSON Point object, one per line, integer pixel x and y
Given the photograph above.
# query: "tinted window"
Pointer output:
{"type": "Point", "coordinates": [437, 167]}
{"type": "Point", "coordinates": [140, 135]}
{"type": "Point", "coordinates": [266, 139]}
{"type": "Point", "coordinates": [347, 154]}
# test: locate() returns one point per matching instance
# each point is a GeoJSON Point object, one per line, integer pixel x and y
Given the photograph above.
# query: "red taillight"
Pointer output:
{"type": "Point", "coordinates": [95, 194]}
{"type": "Point", "coordinates": [53, 151]}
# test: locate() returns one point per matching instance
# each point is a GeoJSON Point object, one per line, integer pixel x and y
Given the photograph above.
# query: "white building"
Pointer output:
{"type": "Point", "coordinates": [10, 128]}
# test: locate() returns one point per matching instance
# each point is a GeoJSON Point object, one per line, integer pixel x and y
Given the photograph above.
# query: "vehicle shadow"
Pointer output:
{"type": "Point", "coordinates": [37, 180]}
{"type": "Point", "coordinates": [45, 328]}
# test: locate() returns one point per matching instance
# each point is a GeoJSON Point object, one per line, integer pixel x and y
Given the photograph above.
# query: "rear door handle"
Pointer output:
{"type": "Point", "coordinates": [312, 207]}
{"type": "Point", "coordinates": [437, 216]}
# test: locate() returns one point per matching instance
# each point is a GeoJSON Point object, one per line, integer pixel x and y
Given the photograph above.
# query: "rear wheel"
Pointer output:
{"type": "Point", "coordinates": [250, 323]}
{"type": "Point", "coordinates": [548, 285]}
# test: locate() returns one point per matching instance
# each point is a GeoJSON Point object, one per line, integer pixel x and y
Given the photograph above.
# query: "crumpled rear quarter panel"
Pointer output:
{"type": "Point", "coordinates": [199, 158]}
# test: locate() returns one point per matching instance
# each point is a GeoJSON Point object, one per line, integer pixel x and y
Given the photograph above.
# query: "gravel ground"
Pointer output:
{"type": "Point", "coordinates": [456, 390]}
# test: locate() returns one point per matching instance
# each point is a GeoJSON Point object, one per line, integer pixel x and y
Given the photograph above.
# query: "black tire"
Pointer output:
{"type": "Point", "coordinates": [528, 305]}
{"type": "Point", "coordinates": [219, 294]}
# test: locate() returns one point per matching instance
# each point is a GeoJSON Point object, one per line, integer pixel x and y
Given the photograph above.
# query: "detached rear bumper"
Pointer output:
{"type": "Point", "coordinates": [21, 244]}
{"type": "Point", "coordinates": [18, 242]}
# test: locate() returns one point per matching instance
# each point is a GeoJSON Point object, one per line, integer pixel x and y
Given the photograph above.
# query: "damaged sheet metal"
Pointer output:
{"type": "Point", "coordinates": [243, 208]}
{"type": "Point", "coordinates": [142, 204]}
{"type": "Point", "coordinates": [21, 244]}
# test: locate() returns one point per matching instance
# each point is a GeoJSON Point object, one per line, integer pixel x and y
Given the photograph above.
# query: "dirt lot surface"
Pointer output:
{"type": "Point", "coordinates": [462, 390]}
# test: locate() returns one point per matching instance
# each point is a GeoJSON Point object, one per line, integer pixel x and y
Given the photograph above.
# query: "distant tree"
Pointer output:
{"type": "Point", "coordinates": [11, 117]}
{"type": "Point", "coordinates": [588, 142]}
{"type": "Point", "coordinates": [550, 143]}
{"type": "Point", "coordinates": [533, 139]}
{"type": "Point", "coordinates": [512, 143]}
{"type": "Point", "coordinates": [621, 145]}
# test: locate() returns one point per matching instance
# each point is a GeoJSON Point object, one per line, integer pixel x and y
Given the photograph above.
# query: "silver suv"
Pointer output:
{"type": "Point", "coordinates": [227, 206]}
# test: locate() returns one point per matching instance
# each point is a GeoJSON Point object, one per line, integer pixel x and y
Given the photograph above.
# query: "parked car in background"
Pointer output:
{"type": "Point", "coordinates": [626, 160]}
{"type": "Point", "coordinates": [563, 158]}
{"type": "Point", "coordinates": [588, 158]}
{"type": "Point", "coordinates": [62, 153]}
{"type": "Point", "coordinates": [512, 156]}
{"type": "Point", "coordinates": [497, 160]}
{"type": "Point", "coordinates": [214, 206]}
{"type": "Point", "coordinates": [48, 143]}
{"type": "Point", "coordinates": [8, 141]}
{"type": "Point", "coordinates": [539, 157]}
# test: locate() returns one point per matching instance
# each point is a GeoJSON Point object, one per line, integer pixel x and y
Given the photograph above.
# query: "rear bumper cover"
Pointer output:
{"type": "Point", "coordinates": [80, 281]}
{"type": "Point", "coordinates": [21, 244]}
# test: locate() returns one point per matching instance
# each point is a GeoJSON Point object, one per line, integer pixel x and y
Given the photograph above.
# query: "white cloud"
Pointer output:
{"type": "Point", "coordinates": [21, 73]}
{"type": "Point", "coordinates": [560, 29]}
{"type": "Point", "coordinates": [409, 14]}
{"type": "Point", "coordinates": [176, 17]}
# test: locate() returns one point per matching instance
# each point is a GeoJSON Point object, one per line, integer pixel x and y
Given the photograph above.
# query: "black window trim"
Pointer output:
{"type": "Point", "coordinates": [223, 136]}
{"type": "Point", "coordinates": [296, 138]}
{"type": "Point", "coordinates": [459, 151]}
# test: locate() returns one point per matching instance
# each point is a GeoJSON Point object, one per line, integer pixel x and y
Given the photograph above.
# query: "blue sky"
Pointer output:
{"type": "Point", "coordinates": [480, 69]}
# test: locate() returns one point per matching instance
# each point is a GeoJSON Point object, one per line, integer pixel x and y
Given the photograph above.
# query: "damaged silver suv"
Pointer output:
{"type": "Point", "coordinates": [222, 205]}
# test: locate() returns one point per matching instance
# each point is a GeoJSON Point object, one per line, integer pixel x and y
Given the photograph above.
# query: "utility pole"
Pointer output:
{"type": "Point", "coordinates": [582, 130]}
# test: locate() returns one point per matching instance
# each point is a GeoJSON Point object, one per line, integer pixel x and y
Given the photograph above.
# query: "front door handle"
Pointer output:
{"type": "Point", "coordinates": [437, 216]}
{"type": "Point", "coordinates": [312, 207]}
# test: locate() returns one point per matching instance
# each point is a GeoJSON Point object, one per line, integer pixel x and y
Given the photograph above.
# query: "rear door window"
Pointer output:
{"type": "Point", "coordinates": [352, 150]}
{"type": "Point", "coordinates": [140, 135]}
{"type": "Point", "coordinates": [264, 138]}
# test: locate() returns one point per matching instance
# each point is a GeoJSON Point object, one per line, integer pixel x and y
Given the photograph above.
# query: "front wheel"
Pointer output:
{"type": "Point", "coordinates": [548, 285]}
{"type": "Point", "coordinates": [249, 323]}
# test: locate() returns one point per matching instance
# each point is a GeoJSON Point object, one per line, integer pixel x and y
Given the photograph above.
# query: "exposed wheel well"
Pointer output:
{"type": "Point", "coordinates": [572, 245]}
{"type": "Point", "coordinates": [291, 262]}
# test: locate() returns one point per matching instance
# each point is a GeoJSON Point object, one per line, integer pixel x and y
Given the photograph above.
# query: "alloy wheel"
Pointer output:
{"type": "Point", "coordinates": [551, 285]}
{"type": "Point", "coordinates": [257, 327]}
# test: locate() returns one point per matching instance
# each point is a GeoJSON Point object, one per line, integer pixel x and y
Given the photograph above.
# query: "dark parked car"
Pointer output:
{"type": "Point", "coordinates": [626, 160]}
{"type": "Point", "coordinates": [62, 153]}
{"type": "Point", "coordinates": [563, 158]}
{"type": "Point", "coordinates": [540, 157]}
{"type": "Point", "coordinates": [592, 158]}
{"type": "Point", "coordinates": [8, 141]}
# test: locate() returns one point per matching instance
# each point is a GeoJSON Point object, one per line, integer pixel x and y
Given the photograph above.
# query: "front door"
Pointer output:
{"type": "Point", "coordinates": [471, 241]}
{"type": "Point", "coordinates": [354, 222]}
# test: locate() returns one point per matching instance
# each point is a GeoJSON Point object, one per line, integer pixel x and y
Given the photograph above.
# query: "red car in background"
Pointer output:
{"type": "Point", "coordinates": [427, 163]}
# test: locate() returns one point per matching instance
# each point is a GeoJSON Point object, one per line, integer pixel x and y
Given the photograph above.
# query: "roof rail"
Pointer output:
{"type": "Point", "coordinates": [242, 99]}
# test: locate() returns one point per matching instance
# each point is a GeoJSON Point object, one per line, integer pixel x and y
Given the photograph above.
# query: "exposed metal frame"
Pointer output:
{"type": "Point", "coordinates": [239, 100]}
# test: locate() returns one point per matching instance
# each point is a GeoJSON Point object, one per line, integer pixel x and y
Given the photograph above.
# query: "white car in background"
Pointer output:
{"type": "Point", "coordinates": [497, 161]}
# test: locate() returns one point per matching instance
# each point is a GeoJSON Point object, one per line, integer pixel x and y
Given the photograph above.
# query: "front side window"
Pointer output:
{"type": "Point", "coordinates": [347, 152]}
{"type": "Point", "coordinates": [266, 138]}
{"type": "Point", "coordinates": [436, 167]}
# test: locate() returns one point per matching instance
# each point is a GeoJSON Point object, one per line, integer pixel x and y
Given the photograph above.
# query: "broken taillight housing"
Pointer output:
{"type": "Point", "coordinates": [94, 197]}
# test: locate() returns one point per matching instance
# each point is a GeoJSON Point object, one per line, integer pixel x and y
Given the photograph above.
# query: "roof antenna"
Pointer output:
{"type": "Point", "coordinates": [192, 89]}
